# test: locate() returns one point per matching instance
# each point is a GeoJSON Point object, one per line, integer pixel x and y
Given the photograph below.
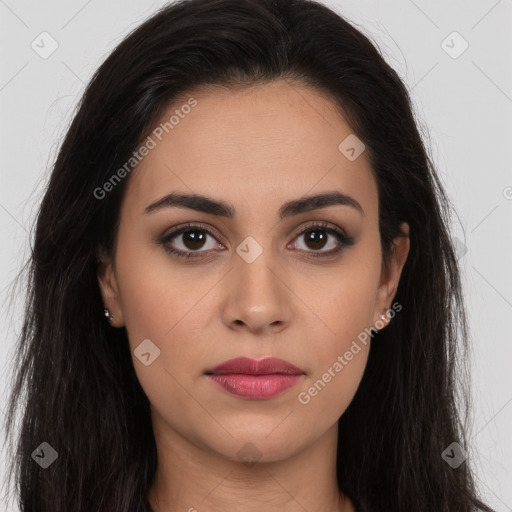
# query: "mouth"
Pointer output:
{"type": "Point", "coordinates": [255, 380]}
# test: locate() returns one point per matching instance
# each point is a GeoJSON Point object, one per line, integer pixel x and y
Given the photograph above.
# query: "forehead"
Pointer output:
{"type": "Point", "coordinates": [270, 141]}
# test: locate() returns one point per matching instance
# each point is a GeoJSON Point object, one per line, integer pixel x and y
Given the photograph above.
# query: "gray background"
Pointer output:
{"type": "Point", "coordinates": [463, 105]}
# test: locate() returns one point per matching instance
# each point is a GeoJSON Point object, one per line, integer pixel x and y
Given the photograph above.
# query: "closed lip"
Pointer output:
{"type": "Point", "coordinates": [248, 366]}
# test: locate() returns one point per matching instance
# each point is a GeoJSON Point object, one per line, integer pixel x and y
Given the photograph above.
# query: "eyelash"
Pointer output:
{"type": "Point", "coordinates": [343, 239]}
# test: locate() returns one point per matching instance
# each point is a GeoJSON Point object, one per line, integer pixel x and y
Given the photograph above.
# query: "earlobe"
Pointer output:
{"type": "Point", "coordinates": [391, 272]}
{"type": "Point", "coordinates": [109, 290]}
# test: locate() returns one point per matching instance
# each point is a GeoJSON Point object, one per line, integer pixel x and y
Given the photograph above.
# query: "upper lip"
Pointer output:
{"type": "Point", "coordinates": [245, 365]}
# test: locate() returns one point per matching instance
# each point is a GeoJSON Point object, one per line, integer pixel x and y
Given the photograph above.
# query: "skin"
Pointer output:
{"type": "Point", "coordinates": [255, 148]}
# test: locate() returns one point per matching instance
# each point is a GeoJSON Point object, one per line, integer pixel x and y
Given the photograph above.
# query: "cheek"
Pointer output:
{"type": "Point", "coordinates": [157, 305]}
{"type": "Point", "coordinates": [165, 305]}
{"type": "Point", "coordinates": [342, 303]}
{"type": "Point", "coordinates": [340, 359]}
{"type": "Point", "coordinates": [341, 339]}
{"type": "Point", "coordinates": [157, 295]}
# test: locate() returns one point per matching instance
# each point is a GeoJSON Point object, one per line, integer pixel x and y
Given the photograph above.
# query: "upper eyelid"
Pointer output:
{"type": "Point", "coordinates": [328, 226]}
{"type": "Point", "coordinates": [190, 226]}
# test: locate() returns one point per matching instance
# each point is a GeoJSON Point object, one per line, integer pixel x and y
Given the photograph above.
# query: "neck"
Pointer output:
{"type": "Point", "coordinates": [196, 479]}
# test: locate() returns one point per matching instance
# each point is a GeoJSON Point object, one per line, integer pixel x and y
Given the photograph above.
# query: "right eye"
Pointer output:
{"type": "Point", "coordinates": [190, 239]}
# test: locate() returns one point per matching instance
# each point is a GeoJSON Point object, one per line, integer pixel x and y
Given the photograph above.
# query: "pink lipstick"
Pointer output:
{"type": "Point", "coordinates": [255, 380]}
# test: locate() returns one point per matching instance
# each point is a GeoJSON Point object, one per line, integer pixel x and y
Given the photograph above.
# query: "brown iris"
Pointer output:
{"type": "Point", "coordinates": [317, 238]}
{"type": "Point", "coordinates": [194, 239]}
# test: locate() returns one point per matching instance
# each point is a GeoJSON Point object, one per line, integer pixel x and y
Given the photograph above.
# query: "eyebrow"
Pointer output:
{"type": "Point", "coordinates": [223, 209]}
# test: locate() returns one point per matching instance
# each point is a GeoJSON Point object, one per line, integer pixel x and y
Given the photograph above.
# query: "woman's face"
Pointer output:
{"type": "Point", "coordinates": [248, 284]}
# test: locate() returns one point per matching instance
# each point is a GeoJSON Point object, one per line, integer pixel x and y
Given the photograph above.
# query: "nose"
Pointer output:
{"type": "Point", "coordinates": [258, 297]}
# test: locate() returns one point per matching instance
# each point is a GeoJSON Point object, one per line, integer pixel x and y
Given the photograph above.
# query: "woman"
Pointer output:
{"type": "Point", "coordinates": [186, 348]}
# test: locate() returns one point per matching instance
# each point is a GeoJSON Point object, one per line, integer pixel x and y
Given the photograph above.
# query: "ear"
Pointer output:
{"type": "Point", "coordinates": [390, 275]}
{"type": "Point", "coordinates": [109, 289]}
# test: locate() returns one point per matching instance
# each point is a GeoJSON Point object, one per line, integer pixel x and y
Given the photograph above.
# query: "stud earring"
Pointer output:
{"type": "Point", "coordinates": [108, 315]}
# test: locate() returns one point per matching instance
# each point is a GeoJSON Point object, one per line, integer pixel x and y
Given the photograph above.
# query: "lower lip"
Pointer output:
{"type": "Point", "coordinates": [255, 387]}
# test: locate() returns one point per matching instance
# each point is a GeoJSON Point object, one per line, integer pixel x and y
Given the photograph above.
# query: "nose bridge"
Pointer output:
{"type": "Point", "coordinates": [257, 296]}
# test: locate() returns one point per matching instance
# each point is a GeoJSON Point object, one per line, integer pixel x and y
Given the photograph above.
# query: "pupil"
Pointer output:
{"type": "Point", "coordinates": [317, 237]}
{"type": "Point", "coordinates": [193, 239]}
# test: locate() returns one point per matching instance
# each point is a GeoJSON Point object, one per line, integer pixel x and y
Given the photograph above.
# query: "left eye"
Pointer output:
{"type": "Point", "coordinates": [317, 237]}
